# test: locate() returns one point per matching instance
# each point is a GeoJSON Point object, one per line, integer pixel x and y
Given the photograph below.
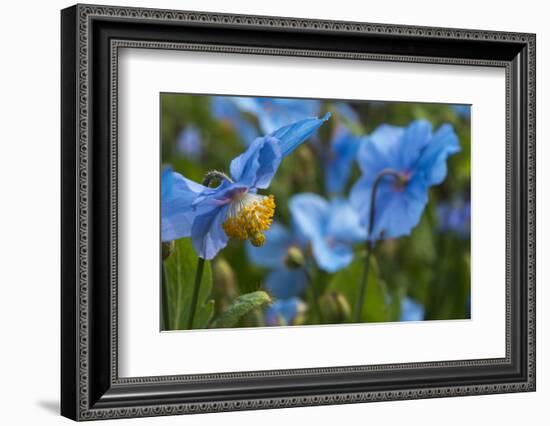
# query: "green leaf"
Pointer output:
{"type": "Point", "coordinates": [240, 307]}
{"type": "Point", "coordinates": [347, 281]}
{"type": "Point", "coordinates": [179, 270]}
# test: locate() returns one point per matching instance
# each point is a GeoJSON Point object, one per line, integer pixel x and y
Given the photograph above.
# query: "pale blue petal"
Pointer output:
{"type": "Point", "coordinates": [177, 197]}
{"type": "Point", "coordinates": [411, 310]}
{"type": "Point", "coordinates": [398, 211]}
{"type": "Point", "coordinates": [293, 135]}
{"type": "Point", "coordinates": [309, 213]}
{"type": "Point", "coordinates": [345, 111]}
{"type": "Point", "coordinates": [331, 255]}
{"type": "Point", "coordinates": [344, 224]}
{"type": "Point", "coordinates": [343, 150]}
{"type": "Point", "coordinates": [208, 236]}
{"type": "Point", "coordinates": [381, 150]}
{"type": "Point", "coordinates": [284, 283]}
{"type": "Point", "coordinates": [272, 254]}
{"type": "Point", "coordinates": [257, 165]}
{"type": "Point", "coordinates": [433, 160]}
{"type": "Point", "coordinates": [189, 142]}
{"type": "Point", "coordinates": [414, 139]}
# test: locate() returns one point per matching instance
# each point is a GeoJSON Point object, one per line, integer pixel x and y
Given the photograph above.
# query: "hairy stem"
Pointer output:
{"type": "Point", "coordinates": [370, 244]}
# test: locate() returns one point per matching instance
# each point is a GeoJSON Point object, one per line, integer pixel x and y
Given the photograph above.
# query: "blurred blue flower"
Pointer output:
{"type": "Point", "coordinates": [455, 217]}
{"type": "Point", "coordinates": [224, 109]}
{"type": "Point", "coordinates": [284, 312]}
{"type": "Point", "coordinates": [462, 110]}
{"type": "Point", "coordinates": [418, 157]}
{"type": "Point", "coordinates": [342, 153]}
{"type": "Point", "coordinates": [189, 142]}
{"type": "Point", "coordinates": [233, 209]}
{"type": "Point", "coordinates": [411, 310]}
{"type": "Point", "coordinates": [346, 111]}
{"type": "Point", "coordinates": [331, 228]}
{"type": "Point", "coordinates": [283, 282]}
{"type": "Point", "coordinates": [273, 113]}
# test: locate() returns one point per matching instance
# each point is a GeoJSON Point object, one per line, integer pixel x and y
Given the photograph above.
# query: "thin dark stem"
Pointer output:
{"type": "Point", "coordinates": [314, 296]}
{"type": "Point", "coordinates": [215, 175]}
{"type": "Point", "coordinates": [195, 296]}
{"type": "Point", "coordinates": [370, 245]}
{"type": "Point", "coordinates": [165, 312]}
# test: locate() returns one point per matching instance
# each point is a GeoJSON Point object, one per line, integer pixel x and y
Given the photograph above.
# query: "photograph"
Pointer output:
{"type": "Point", "coordinates": [309, 212]}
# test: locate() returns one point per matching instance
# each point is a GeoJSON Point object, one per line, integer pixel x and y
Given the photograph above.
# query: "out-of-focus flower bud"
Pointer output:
{"type": "Point", "coordinates": [335, 307]}
{"type": "Point", "coordinates": [168, 249]}
{"type": "Point", "coordinates": [294, 258]}
{"type": "Point", "coordinates": [301, 311]}
{"type": "Point", "coordinates": [225, 285]}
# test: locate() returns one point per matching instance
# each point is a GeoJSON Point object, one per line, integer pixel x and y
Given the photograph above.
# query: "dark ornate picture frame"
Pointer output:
{"type": "Point", "coordinates": [90, 38]}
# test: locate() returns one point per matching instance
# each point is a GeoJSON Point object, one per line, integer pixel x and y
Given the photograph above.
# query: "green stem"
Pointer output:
{"type": "Point", "coordinates": [315, 297]}
{"type": "Point", "coordinates": [165, 313]}
{"type": "Point", "coordinates": [195, 296]}
{"type": "Point", "coordinates": [402, 180]}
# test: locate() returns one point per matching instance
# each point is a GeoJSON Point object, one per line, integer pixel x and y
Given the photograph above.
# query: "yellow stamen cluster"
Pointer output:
{"type": "Point", "coordinates": [249, 218]}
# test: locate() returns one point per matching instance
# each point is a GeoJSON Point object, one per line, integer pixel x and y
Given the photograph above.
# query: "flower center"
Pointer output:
{"type": "Point", "coordinates": [249, 216]}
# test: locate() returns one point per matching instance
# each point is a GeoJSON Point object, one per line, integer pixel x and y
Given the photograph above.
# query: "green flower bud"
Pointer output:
{"type": "Point", "coordinates": [168, 249]}
{"type": "Point", "coordinates": [335, 307]}
{"type": "Point", "coordinates": [294, 258]}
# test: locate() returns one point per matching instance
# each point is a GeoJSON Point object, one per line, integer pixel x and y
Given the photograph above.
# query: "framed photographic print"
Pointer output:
{"type": "Point", "coordinates": [264, 212]}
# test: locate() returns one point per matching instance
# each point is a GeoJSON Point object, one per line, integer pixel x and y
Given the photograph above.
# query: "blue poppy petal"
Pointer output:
{"type": "Point", "coordinates": [272, 254]}
{"type": "Point", "coordinates": [284, 283]}
{"type": "Point", "coordinates": [283, 312]}
{"type": "Point", "coordinates": [411, 310]}
{"type": "Point", "coordinates": [344, 223]}
{"type": "Point", "coordinates": [257, 165]}
{"type": "Point", "coordinates": [345, 111]}
{"type": "Point", "coordinates": [293, 135]}
{"type": "Point", "coordinates": [189, 142]}
{"type": "Point", "coordinates": [398, 211]}
{"type": "Point", "coordinates": [381, 150]}
{"type": "Point", "coordinates": [309, 213]}
{"type": "Point", "coordinates": [343, 150]}
{"type": "Point", "coordinates": [415, 137]}
{"type": "Point", "coordinates": [330, 254]}
{"type": "Point", "coordinates": [177, 197]}
{"type": "Point", "coordinates": [208, 236]}
{"type": "Point", "coordinates": [433, 160]}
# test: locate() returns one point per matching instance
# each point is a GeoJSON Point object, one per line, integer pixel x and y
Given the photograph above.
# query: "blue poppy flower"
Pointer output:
{"type": "Point", "coordinates": [411, 310]}
{"type": "Point", "coordinates": [189, 142]}
{"type": "Point", "coordinates": [234, 208]}
{"type": "Point", "coordinates": [342, 154]}
{"type": "Point", "coordinates": [284, 312]}
{"type": "Point", "coordinates": [417, 159]}
{"type": "Point", "coordinates": [224, 109]}
{"type": "Point", "coordinates": [331, 228]}
{"type": "Point", "coordinates": [462, 110]}
{"type": "Point", "coordinates": [454, 217]}
{"type": "Point", "coordinates": [273, 113]}
{"type": "Point", "coordinates": [346, 111]}
{"type": "Point", "coordinates": [282, 282]}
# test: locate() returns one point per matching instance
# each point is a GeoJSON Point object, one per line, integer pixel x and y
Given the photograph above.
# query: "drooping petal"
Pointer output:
{"type": "Point", "coordinates": [273, 113]}
{"type": "Point", "coordinates": [330, 254]}
{"type": "Point", "coordinates": [415, 137]}
{"type": "Point", "coordinates": [433, 159]}
{"type": "Point", "coordinates": [272, 254]}
{"type": "Point", "coordinates": [398, 210]}
{"type": "Point", "coordinates": [293, 135]}
{"type": "Point", "coordinates": [411, 310]}
{"type": "Point", "coordinates": [177, 197]}
{"type": "Point", "coordinates": [344, 223]}
{"type": "Point", "coordinates": [343, 150]}
{"type": "Point", "coordinates": [207, 234]}
{"type": "Point", "coordinates": [284, 283]}
{"type": "Point", "coordinates": [257, 165]}
{"type": "Point", "coordinates": [309, 213]}
{"type": "Point", "coordinates": [283, 312]}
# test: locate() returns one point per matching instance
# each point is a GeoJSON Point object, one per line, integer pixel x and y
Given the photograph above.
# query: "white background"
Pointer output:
{"type": "Point", "coordinates": [29, 225]}
{"type": "Point", "coordinates": [146, 352]}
